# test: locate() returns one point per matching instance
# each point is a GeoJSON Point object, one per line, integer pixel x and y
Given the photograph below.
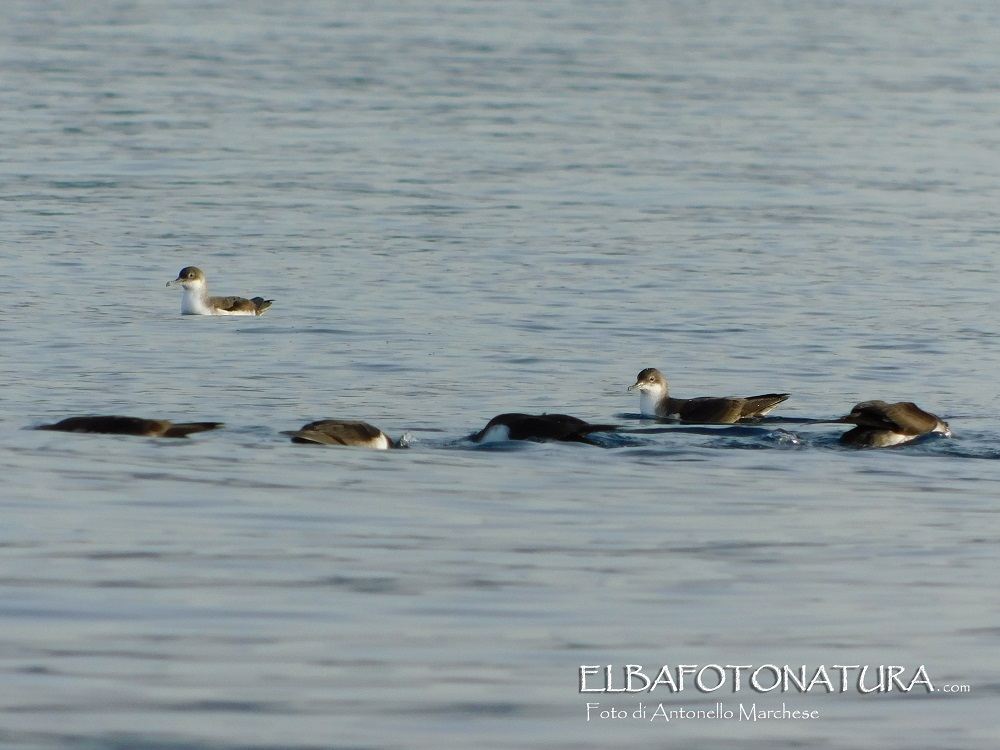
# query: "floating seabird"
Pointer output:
{"type": "Point", "coordinates": [115, 425]}
{"type": "Point", "coordinates": [539, 427]}
{"type": "Point", "coordinates": [343, 432]}
{"type": "Point", "coordinates": [655, 401]}
{"type": "Point", "coordinates": [881, 424]}
{"type": "Point", "coordinates": [197, 302]}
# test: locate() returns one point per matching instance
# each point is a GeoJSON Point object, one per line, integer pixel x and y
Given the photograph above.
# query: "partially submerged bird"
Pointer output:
{"type": "Point", "coordinates": [197, 302]}
{"type": "Point", "coordinates": [116, 425]}
{"type": "Point", "coordinates": [881, 424]}
{"type": "Point", "coordinates": [655, 401]}
{"type": "Point", "coordinates": [539, 427]}
{"type": "Point", "coordinates": [343, 432]}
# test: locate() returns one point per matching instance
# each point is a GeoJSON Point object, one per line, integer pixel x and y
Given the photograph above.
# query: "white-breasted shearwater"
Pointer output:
{"type": "Point", "coordinates": [538, 427]}
{"type": "Point", "coordinates": [655, 401]}
{"type": "Point", "coordinates": [117, 425]}
{"type": "Point", "coordinates": [881, 424]}
{"type": "Point", "coordinates": [343, 432]}
{"type": "Point", "coordinates": [197, 302]}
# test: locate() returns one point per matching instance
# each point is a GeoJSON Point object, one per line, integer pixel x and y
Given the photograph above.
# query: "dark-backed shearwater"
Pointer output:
{"type": "Point", "coordinates": [197, 302]}
{"type": "Point", "coordinates": [343, 432]}
{"type": "Point", "coordinates": [538, 427]}
{"type": "Point", "coordinates": [115, 425]}
{"type": "Point", "coordinates": [655, 401]}
{"type": "Point", "coordinates": [880, 424]}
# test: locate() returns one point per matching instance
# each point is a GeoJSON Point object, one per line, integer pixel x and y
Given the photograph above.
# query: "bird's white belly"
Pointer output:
{"type": "Point", "coordinates": [647, 403]}
{"type": "Point", "coordinates": [496, 434]}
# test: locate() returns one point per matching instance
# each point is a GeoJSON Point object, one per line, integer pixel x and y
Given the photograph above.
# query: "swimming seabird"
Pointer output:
{"type": "Point", "coordinates": [538, 427]}
{"type": "Point", "coordinates": [115, 425]}
{"type": "Point", "coordinates": [655, 401]}
{"type": "Point", "coordinates": [343, 432]}
{"type": "Point", "coordinates": [197, 302]}
{"type": "Point", "coordinates": [881, 424]}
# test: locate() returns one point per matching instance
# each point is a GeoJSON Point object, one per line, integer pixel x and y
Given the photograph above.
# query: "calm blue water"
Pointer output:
{"type": "Point", "coordinates": [461, 209]}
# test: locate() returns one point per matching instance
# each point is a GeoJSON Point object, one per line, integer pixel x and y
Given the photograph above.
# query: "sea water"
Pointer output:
{"type": "Point", "coordinates": [468, 208]}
